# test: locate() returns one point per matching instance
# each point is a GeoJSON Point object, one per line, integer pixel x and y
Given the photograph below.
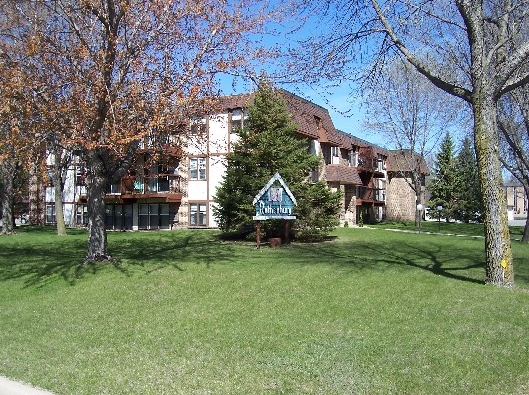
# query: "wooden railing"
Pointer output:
{"type": "Point", "coordinates": [371, 194]}
{"type": "Point", "coordinates": [159, 183]}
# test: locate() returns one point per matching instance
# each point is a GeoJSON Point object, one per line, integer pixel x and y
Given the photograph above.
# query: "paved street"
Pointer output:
{"type": "Point", "coordinates": [517, 222]}
{"type": "Point", "coordinates": [9, 387]}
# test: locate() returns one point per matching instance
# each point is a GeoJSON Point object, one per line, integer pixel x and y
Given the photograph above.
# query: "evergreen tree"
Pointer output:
{"type": "Point", "coordinates": [444, 184]}
{"type": "Point", "coordinates": [469, 206]}
{"type": "Point", "coordinates": [267, 144]}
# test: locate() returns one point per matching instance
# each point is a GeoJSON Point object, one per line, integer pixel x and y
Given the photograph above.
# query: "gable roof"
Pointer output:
{"type": "Point", "coordinates": [275, 177]}
{"type": "Point", "coordinates": [342, 174]}
{"type": "Point", "coordinates": [405, 161]}
{"type": "Point", "coordinates": [312, 120]}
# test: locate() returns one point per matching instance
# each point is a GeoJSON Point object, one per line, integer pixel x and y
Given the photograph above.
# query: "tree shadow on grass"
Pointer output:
{"type": "Point", "coordinates": [40, 263]}
{"type": "Point", "coordinates": [43, 263]}
{"type": "Point", "coordinates": [449, 261]}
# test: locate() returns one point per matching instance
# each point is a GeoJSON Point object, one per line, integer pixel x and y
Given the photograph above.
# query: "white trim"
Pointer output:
{"type": "Point", "coordinates": [275, 178]}
{"type": "Point", "coordinates": [265, 217]}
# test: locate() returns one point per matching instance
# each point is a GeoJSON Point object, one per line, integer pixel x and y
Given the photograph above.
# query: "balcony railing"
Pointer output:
{"type": "Point", "coordinates": [367, 194]}
{"type": "Point", "coordinates": [160, 183]}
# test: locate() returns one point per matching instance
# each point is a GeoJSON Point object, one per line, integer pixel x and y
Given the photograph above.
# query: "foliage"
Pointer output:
{"type": "Point", "coordinates": [109, 74]}
{"type": "Point", "coordinates": [361, 220]}
{"type": "Point", "coordinates": [268, 144]}
{"type": "Point", "coordinates": [473, 50]}
{"type": "Point", "coordinates": [317, 210]}
{"type": "Point", "coordinates": [445, 183]}
{"type": "Point", "coordinates": [273, 320]}
{"type": "Point", "coordinates": [411, 114]}
{"type": "Point", "coordinates": [469, 207]}
{"type": "Point", "coordinates": [513, 123]}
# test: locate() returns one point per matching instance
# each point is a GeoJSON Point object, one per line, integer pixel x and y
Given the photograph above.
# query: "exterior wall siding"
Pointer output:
{"type": "Point", "coordinates": [214, 139]}
{"type": "Point", "coordinates": [400, 200]}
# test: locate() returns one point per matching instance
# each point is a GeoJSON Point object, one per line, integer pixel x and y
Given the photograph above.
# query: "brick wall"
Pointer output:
{"type": "Point", "coordinates": [400, 200]}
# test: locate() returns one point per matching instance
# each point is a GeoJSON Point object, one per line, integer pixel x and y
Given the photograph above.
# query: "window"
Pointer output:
{"type": "Point", "coordinates": [114, 188]}
{"type": "Point", "coordinates": [381, 162]}
{"type": "Point", "coordinates": [353, 158]}
{"type": "Point", "coordinates": [81, 217]}
{"type": "Point", "coordinates": [50, 176]}
{"type": "Point", "coordinates": [154, 216]}
{"type": "Point", "coordinates": [80, 175]}
{"type": "Point", "coordinates": [197, 126]}
{"type": "Point", "coordinates": [335, 155]}
{"type": "Point", "coordinates": [118, 216]}
{"type": "Point", "coordinates": [237, 119]}
{"type": "Point", "coordinates": [50, 213]}
{"type": "Point", "coordinates": [158, 180]}
{"type": "Point", "coordinates": [197, 214]}
{"type": "Point", "coordinates": [197, 168]}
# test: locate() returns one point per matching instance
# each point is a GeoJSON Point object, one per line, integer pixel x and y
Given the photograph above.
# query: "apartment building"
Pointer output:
{"type": "Point", "coordinates": [517, 200]}
{"type": "Point", "coordinates": [401, 202]}
{"type": "Point", "coordinates": [173, 182]}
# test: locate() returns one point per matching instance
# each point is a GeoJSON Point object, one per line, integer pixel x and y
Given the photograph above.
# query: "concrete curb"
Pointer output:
{"type": "Point", "coordinates": [10, 387]}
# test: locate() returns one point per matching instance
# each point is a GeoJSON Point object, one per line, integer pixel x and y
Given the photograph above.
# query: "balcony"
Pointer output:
{"type": "Point", "coordinates": [370, 195]}
{"type": "Point", "coordinates": [167, 187]}
{"type": "Point", "coordinates": [369, 162]}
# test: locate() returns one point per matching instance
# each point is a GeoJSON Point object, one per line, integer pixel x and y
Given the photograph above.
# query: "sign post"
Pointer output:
{"type": "Point", "coordinates": [274, 202]}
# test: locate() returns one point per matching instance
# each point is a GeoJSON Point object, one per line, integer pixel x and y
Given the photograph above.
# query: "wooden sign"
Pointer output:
{"type": "Point", "coordinates": [274, 201]}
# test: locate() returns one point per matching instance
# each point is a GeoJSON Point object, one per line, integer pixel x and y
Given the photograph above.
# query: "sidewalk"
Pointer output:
{"type": "Point", "coordinates": [10, 387]}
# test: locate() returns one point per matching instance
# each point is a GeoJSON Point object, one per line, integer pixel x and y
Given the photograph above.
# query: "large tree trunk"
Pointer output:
{"type": "Point", "coordinates": [499, 267]}
{"type": "Point", "coordinates": [525, 236]}
{"type": "Point", "coordinates": [35, 198]}
{"type": "Point", "coordinates": [418, 200]}
{"type": "Point", "coordinates": [59, 187]}
{"type": "Point", "coordinates": [96, 190]}
{"type": "Point", "coordinates": [7, 175]}
{"type": "Point", "coordinates": [59, 212]}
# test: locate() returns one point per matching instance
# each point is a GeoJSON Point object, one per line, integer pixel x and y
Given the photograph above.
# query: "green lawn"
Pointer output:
{"type": "Point", "coordinates": [451, 228]}
{"type": "Point", "coordinates": [369, 312]}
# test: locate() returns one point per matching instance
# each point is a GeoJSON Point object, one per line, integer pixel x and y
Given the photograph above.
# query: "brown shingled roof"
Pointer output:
{"type": "Point", "coordinates": [312, 120]}
{"type": "Point", "coordinates": [342, 174]}
{"type": "Point", "coordinates": [242, 100]}
{"type": "Point", "coordinates": [405, 161]}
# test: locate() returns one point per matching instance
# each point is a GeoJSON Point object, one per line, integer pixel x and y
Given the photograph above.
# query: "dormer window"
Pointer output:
{"type": "Point", "coordinates": [237, 119]}
{"type": "Point", "coordinates": [335, 155]}
{"type": "Point", "coordinates": [381, 165]}
{"type": "Point", "coordinates": [353, 157]}
{"type": "Point", "coordinates": [198, 126]}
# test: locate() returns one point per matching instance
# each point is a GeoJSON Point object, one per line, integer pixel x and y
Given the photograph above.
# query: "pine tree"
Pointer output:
{"type": "Point", "coordinates": [444, 184]}
{"type": "Point", "coordinates": [469, 204]}
{"type": "Point", "coordinates": [268, 144]}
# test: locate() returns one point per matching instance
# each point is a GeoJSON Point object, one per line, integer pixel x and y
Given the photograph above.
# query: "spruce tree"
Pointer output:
{"type": "Point", "coordinates": [469, 206]}
{"type": "Point", "coordinates": [267, 144]}
{"type": "Point", "coordinates": [444, 184]}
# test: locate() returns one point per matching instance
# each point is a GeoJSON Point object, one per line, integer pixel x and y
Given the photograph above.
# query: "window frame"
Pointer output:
{"type": "Point", "coordinates": [50, 207]}
{"type": "Point", "coordinates": [237, 118]}
{"type": "Point", "coordinates": [197, 169]}
{"type": "Point", "coordinates": [196, 215]}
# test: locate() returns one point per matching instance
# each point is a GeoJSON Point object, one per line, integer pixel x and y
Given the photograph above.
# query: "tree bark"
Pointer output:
{"type": "Point", "coordinates": [96, 191]}
{"type": "Point", "coordinates": [418, 196]}
{"type": "Point", "coordinates": [59, 188]}
{"type": "Point", "coordinates": [35, 196]}
{"type": "Point", "coordinates": [525, 236]}
{"type": "Point", "coordinates": [499, 267]}
{"type": "Point", "coordinates": [7, 175]}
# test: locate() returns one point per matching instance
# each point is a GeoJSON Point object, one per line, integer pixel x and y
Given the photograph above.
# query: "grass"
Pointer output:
{"type": "Point", "coordinates": [443, 227]}
{"type": "Point", "coordinates": [369, 312]}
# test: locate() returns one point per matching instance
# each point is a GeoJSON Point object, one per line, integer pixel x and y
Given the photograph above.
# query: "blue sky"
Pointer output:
{"type": "Point", "coordinates": [346, 112]}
